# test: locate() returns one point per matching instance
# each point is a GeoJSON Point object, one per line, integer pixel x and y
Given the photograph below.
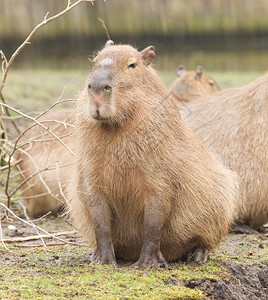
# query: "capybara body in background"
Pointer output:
{"type": "Point", "coordinates": [144, 188]}
{"type": "Point", "coordinates": [234, 125]}
{"type": "Point", "coordinates": [190, 86]}
{"type": "Point", "coordinates": [47, 163]}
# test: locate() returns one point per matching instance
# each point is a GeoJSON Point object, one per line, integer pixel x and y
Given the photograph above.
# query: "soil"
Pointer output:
{"type": "Point", "coordinates": [243, 256]}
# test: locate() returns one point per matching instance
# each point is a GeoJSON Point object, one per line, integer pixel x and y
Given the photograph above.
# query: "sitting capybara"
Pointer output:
{"type": "Point", "coordinates": [192, 85]}
{"type": "Point", "coordinates": [234, 125]}
{"type": "Point", "coordinates": [144, 188]}
{"type": "Point", "coordinates": [46, 163]}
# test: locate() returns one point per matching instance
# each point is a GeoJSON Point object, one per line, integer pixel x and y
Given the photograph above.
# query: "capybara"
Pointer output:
{"type": "Point", "coordinates": [234, 125]}
{"type": "Point", "coordinates": [145, 189]}
{"type": "Point", "coordinates": [46, 163]}
{"type": "Point", "coordinates": [192, 85]}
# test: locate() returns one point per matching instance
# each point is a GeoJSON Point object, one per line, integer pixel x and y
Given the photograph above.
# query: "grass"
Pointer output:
{"type": "Point", "coordinates": [36, 89]}
{"type": "Point", "coordinates": [64, 273]}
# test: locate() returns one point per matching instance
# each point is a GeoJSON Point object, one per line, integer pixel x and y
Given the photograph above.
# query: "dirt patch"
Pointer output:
{"type": "Point", "coordinates": [247, 282]}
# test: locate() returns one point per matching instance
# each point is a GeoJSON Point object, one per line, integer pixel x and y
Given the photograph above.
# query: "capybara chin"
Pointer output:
{"type": "Point", "coordinates": [190, 86]}
{"type": "Point", "coordinates": [234, 125]}
{"type": "Point", "coordinates": [145, 188]}
{"type": "Point", "coordinates": [46, 165]}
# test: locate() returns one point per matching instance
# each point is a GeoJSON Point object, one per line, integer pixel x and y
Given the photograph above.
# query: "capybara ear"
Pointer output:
{"type": "Point", "coordinates": [199, 72]}
{"type": "Point", "coordinates": [109, 43]}
{"type": "Point", "coordinates": [148, 54]}
{"type": "Point", "coordinates": [181, 70]}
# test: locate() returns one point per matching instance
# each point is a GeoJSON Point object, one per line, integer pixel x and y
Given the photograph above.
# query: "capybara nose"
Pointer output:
{"type": "Point", "coordinates": [101, 80]}
{"type": "Point", "coordinates": [107, 88]}
{"type": "Point", "coordinates": [96, 89]}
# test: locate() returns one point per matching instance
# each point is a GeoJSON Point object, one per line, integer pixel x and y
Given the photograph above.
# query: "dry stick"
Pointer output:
{"type": "Point", "coordinates": [38, 234]}
{"type": "Point", "coordinates": [59, 184]}
{"type": "Point", "coordinates": [1, 235]}
{"type": "Point", "coordinates": [41, 245]}
{"type": "Point", "coordinates": [12, 165]}
{"type": "Point", "coordinates": [7, 64]}
{"type": "Point", "coordinates": [105, 28]}
{"type": "Point", "coordinates": [52, 167]}
{"type": "Point", "coordinates": [35, 226]}
{"type": "Point", "coordinates": [35, 138]}
{"type": "Point", "coordinates": [16, 142]}
{"type": "Point", "coordinates": [9, 115]}
{"type": "Point", "coordinates": [4, 64]}
{"type": "Point", "coordinates": [58, 101]}
{"type": "Point", "coordinates": [46, 20]}
{"type": "Point", "coordinates": [9, 195]}
{"type": "Point", "coordinates": [36, 237]}
{"type": "Point", "coordinates": [37, 122]}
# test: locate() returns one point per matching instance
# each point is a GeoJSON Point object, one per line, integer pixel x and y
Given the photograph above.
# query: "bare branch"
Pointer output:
{"type": "Point", "coordinates": [32, 225]}
{"type": "Point", "coordinates": [36, 237]}
{"type": "Point", "coordinates": [29, 37]}
{"type": "Point", "coordinates": [105, 28]}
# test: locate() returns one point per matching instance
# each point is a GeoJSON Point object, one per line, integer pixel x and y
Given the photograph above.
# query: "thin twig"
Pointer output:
{"type": "Point", "coordinates": [105, 28]}
{"type": "Point", "coordinates": [37, 122]}
{"type": "Point", "coordinates": [13, 122]}
{"type": "Point", "coordinates": [29, 37]}
{"type": "Point", "coordinates": [50, 244]}
{"type": "Point", "coordinates": [35, 226]}
{"type": "Point", "coordinates": [12, 165]}
{"type": "Point", "coordinates": [1, 236]}
{"type": "Point", "coordinates": [58, 101]}
{"type": "Point", "coordinates": [36, 229]}
{"type": "Point", "coordinates": [36, 237]}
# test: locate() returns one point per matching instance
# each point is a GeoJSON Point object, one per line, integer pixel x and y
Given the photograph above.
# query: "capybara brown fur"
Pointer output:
{"type": "Point", "coordinates": [190, 86]}
{"type": "Point", "coordinates": [144, 188]}
{"type": "Point", "coordinates": [234, 125]}
{"type": "Point", "coordinates": [46, 164]}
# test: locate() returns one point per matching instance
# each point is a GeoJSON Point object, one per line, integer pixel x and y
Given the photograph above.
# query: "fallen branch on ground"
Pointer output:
{"type": "Point", "coordinates": [37, 237]}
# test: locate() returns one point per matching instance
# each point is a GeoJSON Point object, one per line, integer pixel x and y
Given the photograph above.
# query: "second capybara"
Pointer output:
{"type": "Point", "coordinates": [190, 86]}
{"type": "Point", "coordinates": [46, 164]}
{"type": "Point", "coordinates": [234, 125]}
{"type": "Point", "coordinates": [144, 188]}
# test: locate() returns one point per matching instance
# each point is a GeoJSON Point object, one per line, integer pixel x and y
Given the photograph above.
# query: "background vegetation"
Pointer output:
{"type": "Point", "coordinates": [139, 17]}
{"type": "Point", "coordinates": [219, 34]}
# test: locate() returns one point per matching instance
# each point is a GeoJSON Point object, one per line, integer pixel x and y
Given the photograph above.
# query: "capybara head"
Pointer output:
{"type": "Point", "coordinates": [192, 85]}
{"type": "Point", "coordinates": [117, 73]}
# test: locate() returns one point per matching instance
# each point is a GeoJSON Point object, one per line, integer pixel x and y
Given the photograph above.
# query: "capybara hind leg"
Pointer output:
{"type": "Point", "coordinates": [198, 255]}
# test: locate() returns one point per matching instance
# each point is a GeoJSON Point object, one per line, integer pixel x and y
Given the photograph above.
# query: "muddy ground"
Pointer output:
{"type": "Point", "coordinates": [238, 269]}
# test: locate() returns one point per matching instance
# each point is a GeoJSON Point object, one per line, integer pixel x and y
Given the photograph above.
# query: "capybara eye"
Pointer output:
{"type": "Point", "coordinates": [211, 83]}
{"type": "Point", "coordinates": [89, 87]}
{"type": "Point", "coordinates": [107, 88]}
{"type": "Point", "coordinates": [132, 65]}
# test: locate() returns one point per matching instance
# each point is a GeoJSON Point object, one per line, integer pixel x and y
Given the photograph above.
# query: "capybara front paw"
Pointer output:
{"type": "Point", "coordinates": [149, 261]}
{"type": "Point", "coordinates": [102, 259]}
{"type": "Point", "coordinates": [198, 255]}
